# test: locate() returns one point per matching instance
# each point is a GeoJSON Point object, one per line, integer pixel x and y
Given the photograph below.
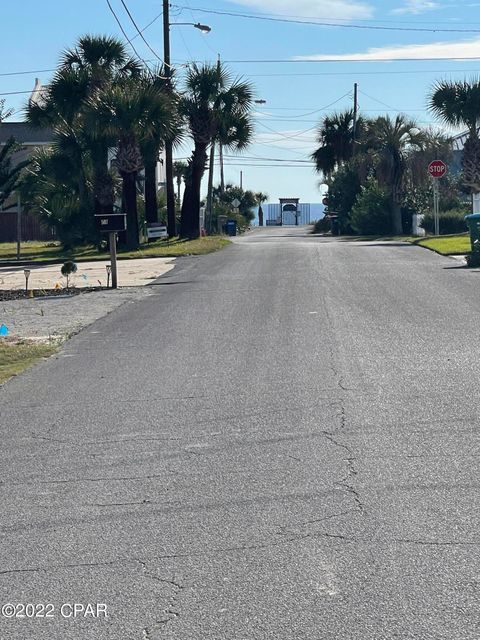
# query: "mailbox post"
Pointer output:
{"type": "Point", "coordinates": [112, 223]}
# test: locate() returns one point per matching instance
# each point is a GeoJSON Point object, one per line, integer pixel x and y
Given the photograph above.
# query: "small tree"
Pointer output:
{"type": "Point", "coordinates": [68, 268]}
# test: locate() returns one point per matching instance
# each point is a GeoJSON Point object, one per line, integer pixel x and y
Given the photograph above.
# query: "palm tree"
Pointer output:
{"type": "Point", "coordinates": [93, 64]}
{"type": "Point", "coordinates": [391, 141]}
{"type": "Point", "coordinates": [131, 113]}
{"type": "Point", "coordinates": [458, 105]}
{"type": "Point", "coordinates": [213, 104]}
{"type": "Point", "coordinates": [336, 141]}
{"type": "Point", "coordinates": [102, 58]}
{"type": "Point", "coordinates": [51, 188]}
{"type": "Point", "coordinates": [152, 147]}
{"type": "Point", "coordinates": [260, 199]}
{"type": "Point", "coordinates": [179, 173]}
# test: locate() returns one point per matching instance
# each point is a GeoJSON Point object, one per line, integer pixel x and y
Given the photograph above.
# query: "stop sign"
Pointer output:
{"type": "Point", "coordinates": [437, 168]}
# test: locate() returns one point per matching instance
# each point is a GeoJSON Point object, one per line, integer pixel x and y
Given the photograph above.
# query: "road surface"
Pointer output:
{"type": "Point", "coordinates": [281, 443]}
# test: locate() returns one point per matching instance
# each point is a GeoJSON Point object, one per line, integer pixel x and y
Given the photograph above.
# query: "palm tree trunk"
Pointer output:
{"type": "Point", "coordinates": [129, 192]}
{"type": "Point", "coordinates": [151, 205]}
{"type": "Point", "coordinates": [102, 184]}
{"type": "Point", "coordinates": [397, 217]}
{"type": "Point", "coordinates": [190, 223]}
{"type": "Point", "coordinates": [179, 191]}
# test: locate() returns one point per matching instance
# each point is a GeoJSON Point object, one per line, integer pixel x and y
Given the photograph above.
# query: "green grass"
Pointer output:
{"type": "Point", "coordinates": [53, 252]}
{"type": "Point", "coordinates": [377, 238]}
{"type": "Point", "coordinates": [16, 357]}
{"type": "Point", "coordinates": [446, 245]}
{"type": "Point", "coordinates": [450, 245]}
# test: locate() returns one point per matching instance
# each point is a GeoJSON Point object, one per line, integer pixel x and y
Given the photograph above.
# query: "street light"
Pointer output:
{"type": "Point", "coordinates": [201, 27]}
{"type": "Point", "coordinates": [170, 190]}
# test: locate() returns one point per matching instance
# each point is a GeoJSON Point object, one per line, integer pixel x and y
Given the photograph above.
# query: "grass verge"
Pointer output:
{"type": "Point", "coordinates": [15, 357]}
{"type": "Point", "coordinates": [453, 245]}
{"type": "Point", "coordinates": [53, 252]}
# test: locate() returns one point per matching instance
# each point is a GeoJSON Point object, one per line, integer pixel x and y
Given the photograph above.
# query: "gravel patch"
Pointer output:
{"type": "Point", "coordinates": [60, 317]}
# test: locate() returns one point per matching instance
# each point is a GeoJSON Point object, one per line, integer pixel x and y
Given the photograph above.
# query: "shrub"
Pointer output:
{"type": "Point", "coordinates": [371, 211]}
{"type": "Point", "coordinates": [321, 226]}
{"type": "Point", "coordinates": [450, 222]}
{"type": "Point", "coordinates": [343, 190]}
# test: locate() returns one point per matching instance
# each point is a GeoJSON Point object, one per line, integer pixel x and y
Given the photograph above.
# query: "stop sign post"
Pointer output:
{"type": "Point", "coordinates": [437, 169]}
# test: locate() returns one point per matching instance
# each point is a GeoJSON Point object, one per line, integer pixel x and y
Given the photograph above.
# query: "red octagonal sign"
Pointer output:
{"type": "Point", "coordinates": [437, 168]}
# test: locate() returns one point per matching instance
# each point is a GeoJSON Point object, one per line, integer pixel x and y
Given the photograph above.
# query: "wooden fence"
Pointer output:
{"type": "Point", "coordinates": [32, 228]}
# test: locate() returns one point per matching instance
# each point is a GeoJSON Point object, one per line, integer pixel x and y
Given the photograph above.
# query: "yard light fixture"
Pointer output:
{"type": "Point", "coordinates": [26, 273]}
{"type": "Point", "coordinates": [108, 267]}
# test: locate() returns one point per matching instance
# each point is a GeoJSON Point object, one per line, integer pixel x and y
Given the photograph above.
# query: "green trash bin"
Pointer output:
{"type": "Point", "coordinates": [473, 223]}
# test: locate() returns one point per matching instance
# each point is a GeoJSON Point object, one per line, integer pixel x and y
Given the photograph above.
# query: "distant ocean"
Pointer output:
{"type": "Point", "coordinates": [317, 211]}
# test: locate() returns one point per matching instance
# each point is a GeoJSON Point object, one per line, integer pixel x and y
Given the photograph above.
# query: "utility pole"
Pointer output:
{"type": "Point", "coordinates": [19, 224]}
{"type": "Point", "coordinates": [209, 208]}
{"type": "Point", "coordinates": [241, 180]}
{"type": "Point", "coordinates": [355, 116]}
{"type": "Point", "coordinates": [170, 190]}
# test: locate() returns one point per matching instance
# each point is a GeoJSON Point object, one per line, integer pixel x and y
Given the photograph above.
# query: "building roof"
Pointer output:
{"type": "Point", "coordinates": [24, 133]}
{"type": "Point", "coordinates": [459, 140]}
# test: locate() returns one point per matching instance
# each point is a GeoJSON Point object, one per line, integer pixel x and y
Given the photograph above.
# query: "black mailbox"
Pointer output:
{"type": "Point", "coordinates": [111, 222]}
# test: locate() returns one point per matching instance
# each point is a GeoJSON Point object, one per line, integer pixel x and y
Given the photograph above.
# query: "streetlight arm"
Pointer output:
{"type": "Point", "coordinates": [202, 27]}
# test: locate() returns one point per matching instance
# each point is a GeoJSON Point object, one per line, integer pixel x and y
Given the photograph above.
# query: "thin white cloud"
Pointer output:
{"type": "Point", "coordinates": [326, 9]}
{"type": "Point", "coordinates": [416, 7]}
{"type": "Point", "coordinates": [456, 50]}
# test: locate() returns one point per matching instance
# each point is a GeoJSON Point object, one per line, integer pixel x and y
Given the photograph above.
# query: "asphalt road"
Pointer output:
{"type": "Point", "coordinates": [281, 443]}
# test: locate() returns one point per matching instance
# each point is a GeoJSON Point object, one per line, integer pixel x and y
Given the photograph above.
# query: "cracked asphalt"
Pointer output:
{"type": "Point", "coordinates": [281, 442]}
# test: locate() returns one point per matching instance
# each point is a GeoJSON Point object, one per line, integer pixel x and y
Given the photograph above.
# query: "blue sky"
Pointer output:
{"type": "Point", "coordinates": [322, 62]}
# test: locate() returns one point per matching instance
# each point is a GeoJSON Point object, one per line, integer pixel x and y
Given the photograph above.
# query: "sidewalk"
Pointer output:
{"type": "Point", "coordinates": [131, 273]}
{"type": "Point", "coordinates": [58, 317]}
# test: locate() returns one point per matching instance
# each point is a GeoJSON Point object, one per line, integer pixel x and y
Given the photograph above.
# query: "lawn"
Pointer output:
{"type": "Point", "coordinates": [16, 357]}
{"type": "Point", "coordinates": [53, 252]}
{"type": "Point", "coordinates": [447, 245]}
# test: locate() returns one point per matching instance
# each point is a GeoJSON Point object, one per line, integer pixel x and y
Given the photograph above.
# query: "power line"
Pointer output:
{"type": "Point", "coordinates": [26, 73]}
{"type": "Point", "coordinates": [148, 25]}
{"type": "Point", "coordinates": [317, 23]}
{"type": "Point", "coordinates": [384, 103]}
{"type": "Point", "coordinates": [349, 60]}
{"type": "Point", "coordinates": [327, 106]}
{"type": "Point", "coordinates": [275, 75]}
{"type": "Point", "coordinates": [139, 31]}
{"type": "Point", "coordinates": [123, 30]}
{"type": "Point", "coordinates": [13, 93]}
{"type": "Point", "coordinates": [383, 21]}
{"type": "Point", "coordinates": [286, 166]}
{"type": "Point", "coordinates": [359, 73]}
{"type": "Point", "coordinates": [256, 158]}
{"type": "Point", "coordinates": [279, 133]}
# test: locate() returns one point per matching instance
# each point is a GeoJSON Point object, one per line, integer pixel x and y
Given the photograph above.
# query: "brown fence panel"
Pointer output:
{"type": "Point", "coordinates": [32, 228]}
